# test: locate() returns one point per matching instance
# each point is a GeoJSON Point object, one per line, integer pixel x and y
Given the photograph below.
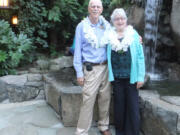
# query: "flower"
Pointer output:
{"type": "Point", "coordinates": [90, 35]}
{"type": "Point", "coordinates": [121, 46]}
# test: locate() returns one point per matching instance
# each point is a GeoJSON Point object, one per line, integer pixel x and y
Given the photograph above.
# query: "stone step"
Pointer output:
{"type": "Point", "coordinates": [65, 98]}
{"type": "Point", "coordinates": [28, 118]}
{"type": "Point", "coordinates": [34, 118]}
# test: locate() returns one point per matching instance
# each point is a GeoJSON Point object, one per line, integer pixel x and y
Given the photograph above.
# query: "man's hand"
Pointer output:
{"type": "Point", "coordinates": [139, 85]}
{"type": "Point", "coordinates": [140, 40]}
{"type": "Point", "coordinates": [80, 81]}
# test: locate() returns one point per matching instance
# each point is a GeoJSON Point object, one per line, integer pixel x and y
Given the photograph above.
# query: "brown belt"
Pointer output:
{"type": "Point", "coordinates": [96, 64]}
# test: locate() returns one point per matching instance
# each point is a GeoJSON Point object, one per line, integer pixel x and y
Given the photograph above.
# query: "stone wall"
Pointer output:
{"type": "Point", "coordinates": [28, 84]}
{"type": "Point", "coordinates": [23, 87]}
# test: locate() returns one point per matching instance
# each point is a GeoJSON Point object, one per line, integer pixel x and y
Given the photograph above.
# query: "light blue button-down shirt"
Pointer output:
{"type": "Point", "coordinates": [84, 52]}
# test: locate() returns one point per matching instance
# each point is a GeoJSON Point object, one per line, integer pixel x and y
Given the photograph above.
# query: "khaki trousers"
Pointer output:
{"type": "Point", "coordinates": [96, 84]}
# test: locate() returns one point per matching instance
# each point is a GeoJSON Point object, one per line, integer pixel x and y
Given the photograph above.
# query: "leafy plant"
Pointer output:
{"type": "Point", "coordinates": [47, 25]}
{"type": "Point", "coordinates": [13, 48]}
{"type": "Point", "coordinates": [32, 17]}
{"type": "Point", "coordinates": [66, 14]}
{"type": "Point", "coordinates": [51, 23]}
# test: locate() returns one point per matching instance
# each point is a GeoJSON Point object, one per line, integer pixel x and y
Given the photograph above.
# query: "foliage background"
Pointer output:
{"type": "Point", "coordinates": [49, 24]}
{"type": "Point", "coordinates": [14, 49]}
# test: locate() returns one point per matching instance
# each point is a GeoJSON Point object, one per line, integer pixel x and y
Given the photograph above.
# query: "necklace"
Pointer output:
{"type": "Point", "coordinates": [90, 35]}
{"type": "Point", "coordinates": [121, 46]}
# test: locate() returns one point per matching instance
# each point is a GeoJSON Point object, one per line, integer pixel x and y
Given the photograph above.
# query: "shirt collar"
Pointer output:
{"type": "Point", "coordinates": [94, 25]}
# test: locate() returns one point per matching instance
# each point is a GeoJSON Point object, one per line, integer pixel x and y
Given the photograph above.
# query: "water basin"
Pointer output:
{"type": "Point", "coordinates": [165, 87]}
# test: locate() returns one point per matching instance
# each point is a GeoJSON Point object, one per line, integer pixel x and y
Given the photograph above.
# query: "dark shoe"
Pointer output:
{"type": "Point", "coordinates": [106, 132]}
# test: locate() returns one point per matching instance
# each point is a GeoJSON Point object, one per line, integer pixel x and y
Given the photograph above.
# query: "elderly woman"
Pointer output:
{"type": "Point", "coordinates": [126, 71]}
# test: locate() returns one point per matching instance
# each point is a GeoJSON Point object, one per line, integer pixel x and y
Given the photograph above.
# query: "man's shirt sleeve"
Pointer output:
{"type": "Point", "coordinates": [78, 52]}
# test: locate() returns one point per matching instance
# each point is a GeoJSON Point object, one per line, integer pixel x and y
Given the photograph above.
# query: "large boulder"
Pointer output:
{"type": "Point", "coordinates": [174, 71]}
{"type": "Point", "coordinates": [61, 62]}
{"type": "Point", "coordinates": [171, 70]}
{"type": "Point", "coordinates": [43, 64]}
{"type": "Point", "coordinates": [175, 19]}
{"type": "Point", "coordinates": [136, 17]}
{"type": "Point", "coordinates": [159, 117]}
{"type": "Point", "coordinates": [172, 99]}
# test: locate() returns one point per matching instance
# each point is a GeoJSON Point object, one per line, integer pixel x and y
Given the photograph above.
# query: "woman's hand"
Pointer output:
{"type": "Point", "coordinates": [139, 85]}
{"type": "Point", "coordinates": [80, 81]}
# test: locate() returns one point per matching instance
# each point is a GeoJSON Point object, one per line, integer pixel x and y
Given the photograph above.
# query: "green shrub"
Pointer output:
{"type": "Point", "coordinates": [66, 14]}
{"type": "Point", "coordinates": [51, 23]}
{"type": "Point", "coordinates": [13, 48]}
{"type": "Point", "coordinates": [32, 15]}
{"type": "Point", "coordinates": [120, 4]}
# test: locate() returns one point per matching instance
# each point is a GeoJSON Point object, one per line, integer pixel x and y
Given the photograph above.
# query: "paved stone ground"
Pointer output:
{"type": "Point", "coordinates": [33, 118]}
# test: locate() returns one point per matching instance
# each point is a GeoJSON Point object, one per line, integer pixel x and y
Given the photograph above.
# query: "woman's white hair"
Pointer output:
{"type": "Point", "coordinates": [120, 12]}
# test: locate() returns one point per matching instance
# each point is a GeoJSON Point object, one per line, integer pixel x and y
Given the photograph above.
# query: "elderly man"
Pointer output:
{"type": "Point", "coordinates": [91, 68]}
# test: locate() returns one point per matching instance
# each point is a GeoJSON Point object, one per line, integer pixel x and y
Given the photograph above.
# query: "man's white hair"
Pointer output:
{"type": "Point", "coordinates": [91, 1]}
{"type": "Point", "coordinates": [118, 11]}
